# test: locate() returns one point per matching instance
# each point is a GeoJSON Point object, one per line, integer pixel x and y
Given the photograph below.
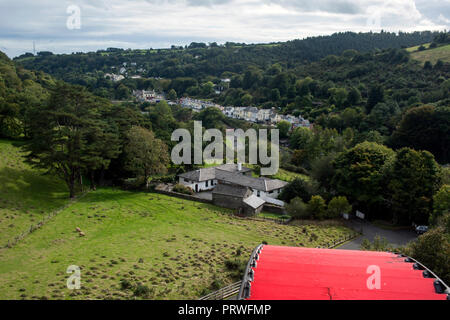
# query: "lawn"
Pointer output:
{"type": "Point", "coordinates": [433, 55]}
{"type": "Point", "coordinates": [26, 195]}
{"type": "Point", "coordinates": [179, 249]}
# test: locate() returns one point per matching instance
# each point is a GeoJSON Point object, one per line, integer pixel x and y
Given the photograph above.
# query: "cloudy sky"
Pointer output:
{"type": "Point", "coordinates": [87, 25]}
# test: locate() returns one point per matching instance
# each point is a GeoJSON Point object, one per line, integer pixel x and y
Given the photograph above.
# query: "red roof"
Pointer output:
{"type": "Point", "coordinates": [294, 273]}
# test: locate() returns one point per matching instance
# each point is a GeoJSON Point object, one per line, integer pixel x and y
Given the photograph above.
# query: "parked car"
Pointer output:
{"type": "Point", "coordinates": [421, 229]}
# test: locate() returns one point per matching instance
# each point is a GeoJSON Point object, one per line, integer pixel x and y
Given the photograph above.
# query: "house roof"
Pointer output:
{"type": "Point", "coordinates": [254, 201]}
{"type": "Point", "coordinates": [296, 273]}
{"type": "Point", "coordinates": [204, 174]}
{"type": "Point", "coordinates": [229, 190]}
{"type": "Point", "coordinates": [263, 184]}
{"type": "Point", "coordinates": [229, 173]}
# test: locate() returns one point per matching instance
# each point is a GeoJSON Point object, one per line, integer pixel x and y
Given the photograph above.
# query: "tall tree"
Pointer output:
{"type": "Point", "coordinates": [145, 154]}
{"type": "Point", "coordinates": [62, 140]}
{"type": "Point", "coordinates": [414, 180]}
{"type": "Point", "coordinates": [360, 173]}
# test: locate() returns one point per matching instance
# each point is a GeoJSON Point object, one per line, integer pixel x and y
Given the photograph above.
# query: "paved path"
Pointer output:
{"type": "Point", "coordinates": [394, 237]}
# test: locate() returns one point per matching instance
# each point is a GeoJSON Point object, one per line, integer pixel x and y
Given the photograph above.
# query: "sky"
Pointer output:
{"type": "Point", "coordinates": [64, 26]}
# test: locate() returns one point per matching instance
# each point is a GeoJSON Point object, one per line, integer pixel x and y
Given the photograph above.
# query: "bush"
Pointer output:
{"type": "Point", "coordinates": [125, 284]}
{"type": "Point", "coordinates": [432, 249]}
{"type": "Point", "coordinates": [297, 209]}
{"type": "Point", "coordinates": [182, 189]}
{"type": "Point", "coordinates": [338, 206]}
{"type": "Point", "coordinates": [142, 291]}
{"type": "Point", "coordinates": [316, 207]}
{"type": "Point", "coordinates": [299, 188]}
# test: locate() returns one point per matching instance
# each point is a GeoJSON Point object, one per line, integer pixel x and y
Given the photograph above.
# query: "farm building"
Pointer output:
{"type": "Point", "coordinates": [298, 273]}
{"type": "Point", "coordinates": [237, 197]}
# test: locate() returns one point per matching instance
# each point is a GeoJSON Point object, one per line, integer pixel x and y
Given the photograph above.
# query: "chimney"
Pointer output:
{"type": "Point", "coordinates": [239, 166]}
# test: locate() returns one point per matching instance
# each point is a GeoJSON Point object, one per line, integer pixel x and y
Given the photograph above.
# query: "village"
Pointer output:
{"type": "Point", "coordinates": [250, 114]}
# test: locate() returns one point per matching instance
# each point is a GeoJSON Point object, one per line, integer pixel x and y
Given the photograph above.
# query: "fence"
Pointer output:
{"type": "Point", "coordinates": [182, 195]}
{"type": "Point", "coordinates": [332, 244]}
{"type": "Point", "coordinates": [261, 218]}
{"type": "Point", "coordinates": [32, 228]}
{"type": "Point", "coordinates": [224, 293]}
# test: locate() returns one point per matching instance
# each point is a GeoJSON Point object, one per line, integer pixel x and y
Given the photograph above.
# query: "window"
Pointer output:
{"type": "Point", "coordinates": [258, 193]}
{"type": "Point", "coordinates": [207, 182]}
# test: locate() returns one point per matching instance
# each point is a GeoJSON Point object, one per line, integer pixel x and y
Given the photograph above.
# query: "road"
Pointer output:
{"type": "Point", "coordinates": [394, 237]}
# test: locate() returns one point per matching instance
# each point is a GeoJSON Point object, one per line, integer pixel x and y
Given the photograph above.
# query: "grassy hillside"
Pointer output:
{"type": "Point", "coordinates": [26, 196]}
{"type": "Point", "coordinates": [177, 248]}
{"type": "Point", "coordinates": [433, 55]}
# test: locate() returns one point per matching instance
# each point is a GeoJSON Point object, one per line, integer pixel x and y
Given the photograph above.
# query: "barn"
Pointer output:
{"type": "Point", "coordinates": [296, 273]}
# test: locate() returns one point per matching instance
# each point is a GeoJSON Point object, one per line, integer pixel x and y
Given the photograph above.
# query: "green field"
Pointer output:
{"type": "Point", "coordinates": [26, 196]}
{"type": "Point", "coordinates": [433, 55]}
{"type": "Point", "coordinates": [415, 48]}
{"type": "Point", "coordinates": [177, 248]}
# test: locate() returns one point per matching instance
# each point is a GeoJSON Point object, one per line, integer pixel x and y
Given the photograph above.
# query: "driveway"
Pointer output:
{"type": "Point", "coordinates": [369, 231]}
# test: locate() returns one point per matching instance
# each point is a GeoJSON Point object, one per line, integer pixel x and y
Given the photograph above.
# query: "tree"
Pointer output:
{"type": "Point", "coordinates": [246, 99]}
{"type": "Point", "coordinates": [66, 135]}
{"type": "Point", "coordinates": [284, 127]}
{"type": "Point", "coordinates": [316, 207]}
{"type": "Point", "coordinates": [441, 203]}
{"type": "Point", "coordinates": [413, 181]}
{"type": "Point", "coordinates": [337, 206]}
{"type": "Point", "coordinates": [354, 97]}
{"type": "Point", "coordinates": [425, 128]}
{"type": "Point", "coordinates": [338, 96]}
{"type": "Point", "coordinates": [360, 174]}
{"type": "Point", "coordinates": [376, 95]}
{"type": "Point", "coordinates": [433, 250]}
{"type": "Point", "coordinates": [145, 155]}
{"type": "Point", "coordinates": [301, 188]}
{"type": "Point", "coordinates": [297, 209]}
{"type": "Point", "coordinates": [172, 95]}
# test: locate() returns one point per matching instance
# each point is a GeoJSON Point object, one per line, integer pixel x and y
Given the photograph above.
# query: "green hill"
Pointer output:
{"type": "Point", "coordinates": [433, 55]}
{"type": "Point", "coordinates": [26, 196]}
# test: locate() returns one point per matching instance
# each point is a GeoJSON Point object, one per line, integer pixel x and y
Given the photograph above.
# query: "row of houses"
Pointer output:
{"type": "Point", "coordinates": [197, 105]}
{"type": "Point", "coordinates": [253, 114]}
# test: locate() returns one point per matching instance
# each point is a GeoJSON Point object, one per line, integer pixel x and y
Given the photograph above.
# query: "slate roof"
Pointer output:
{"type": "Point", "coordinates": [262, 184]}
{"type": "Point", "coordinates": [254, 201]}
{"type": "Point", "coordinates": [230, 174]}
{"type": "Point", "coordinates": [204, 174]}
{"type": "Point", "coordinates": [230, 190]}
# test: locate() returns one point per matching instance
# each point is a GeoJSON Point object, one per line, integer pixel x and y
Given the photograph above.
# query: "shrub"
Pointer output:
{"type": "Point", "coordinates": [232, 264]}
{"type": "Point", "coordinates": [125, 284]}
{"type": "Point", "coordinates": [433, 250]}
{"type": "Point", "coordinates": [299, 188]}
{"type": "Point", "coordinates": [316, 207]}
{"type": "Point", "coordinates": [338, 206]}
{"type": "Point", "coordinates": [182, 189]}
{"type": "Point", "coordinates": [142, 291]}
{"type": "Point", "coordinates": [297, 208]}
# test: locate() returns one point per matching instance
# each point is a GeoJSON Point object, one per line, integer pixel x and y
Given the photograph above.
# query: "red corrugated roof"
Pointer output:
{"type": "Point", "coordinates": [293, 273]}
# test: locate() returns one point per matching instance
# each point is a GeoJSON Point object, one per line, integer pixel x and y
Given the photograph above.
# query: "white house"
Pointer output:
{"type": "Point", "coordinates": [205, 179]}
